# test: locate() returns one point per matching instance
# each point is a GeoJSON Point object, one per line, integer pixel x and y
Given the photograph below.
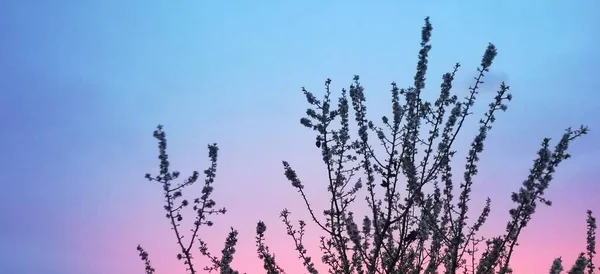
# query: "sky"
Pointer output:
{"type": "Point", "coordinates": [83, 84]}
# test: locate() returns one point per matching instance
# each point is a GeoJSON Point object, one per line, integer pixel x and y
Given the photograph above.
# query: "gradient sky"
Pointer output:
{"type": "Point", "coordinates": [84, 83]}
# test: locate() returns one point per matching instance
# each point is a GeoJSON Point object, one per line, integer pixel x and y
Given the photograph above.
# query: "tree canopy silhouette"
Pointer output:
{"type": "Point", "coordinates": [407, 229]}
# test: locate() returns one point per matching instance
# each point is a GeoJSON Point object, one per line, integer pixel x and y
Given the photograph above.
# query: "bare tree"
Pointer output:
{"type": "Point", "coordinates": [408, 229]}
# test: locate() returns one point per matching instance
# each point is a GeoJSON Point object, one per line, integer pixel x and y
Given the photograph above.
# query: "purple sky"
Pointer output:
{"type": "Point", "coordinates": [84, 83]}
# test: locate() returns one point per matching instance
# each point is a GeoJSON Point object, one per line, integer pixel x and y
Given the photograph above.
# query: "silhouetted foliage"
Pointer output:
{"type": "Point", "coordinates": [408, 230]}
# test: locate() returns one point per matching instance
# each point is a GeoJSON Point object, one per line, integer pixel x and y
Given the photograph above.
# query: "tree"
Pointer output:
{"type": "Point", "coordinates": [408, 229]}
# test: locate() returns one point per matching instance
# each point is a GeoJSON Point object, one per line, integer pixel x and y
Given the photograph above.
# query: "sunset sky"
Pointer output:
{"type": "Point", "coordinates": [84, 83]}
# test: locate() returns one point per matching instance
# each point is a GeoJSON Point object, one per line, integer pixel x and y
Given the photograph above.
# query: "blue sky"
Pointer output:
{"type": "Point", "coordinates": [84, 83]}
